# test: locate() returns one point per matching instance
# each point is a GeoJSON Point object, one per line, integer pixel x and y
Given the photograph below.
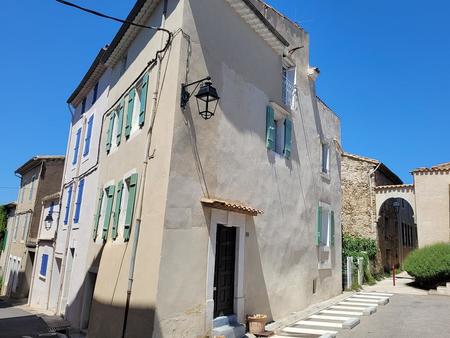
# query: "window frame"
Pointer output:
{"type": "Point", "coordinates": [325, 160]}
{"type": "Point", "coordinates": [43, 275]}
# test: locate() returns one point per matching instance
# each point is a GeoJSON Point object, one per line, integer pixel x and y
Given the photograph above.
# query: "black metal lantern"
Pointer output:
{"type": "Point", "coordinates": [207, 97]}
{"type": "Point", "coordinates": [48, 221]}
{"type": "Point", "coordinates": [207, 100]}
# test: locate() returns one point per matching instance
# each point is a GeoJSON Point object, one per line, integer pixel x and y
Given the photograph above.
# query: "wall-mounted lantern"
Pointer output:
{"type": "Point", "coordinates": [207, 97]}
{"type": "Point", "coordinates": [396, 205]}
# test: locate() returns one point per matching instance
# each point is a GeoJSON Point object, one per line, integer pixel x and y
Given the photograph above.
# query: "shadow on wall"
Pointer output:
{"type": "Point", "coordinates": [256, 294]}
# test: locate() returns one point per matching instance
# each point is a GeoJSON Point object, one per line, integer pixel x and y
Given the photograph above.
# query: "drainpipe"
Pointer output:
{"type": "Point", "coordinates": [147, 157]}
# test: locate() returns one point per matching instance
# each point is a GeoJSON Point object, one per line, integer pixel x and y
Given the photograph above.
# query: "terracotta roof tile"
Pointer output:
{"type": "Point", "coordinates": [230, 206]}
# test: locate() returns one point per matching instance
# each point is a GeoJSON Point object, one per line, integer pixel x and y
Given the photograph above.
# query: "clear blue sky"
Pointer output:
{"type": "Point", "coordinates": [384, 70]}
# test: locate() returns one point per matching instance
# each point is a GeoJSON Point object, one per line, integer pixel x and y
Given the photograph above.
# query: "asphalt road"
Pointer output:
{"type": "Point", "coordinates": [410, 316]}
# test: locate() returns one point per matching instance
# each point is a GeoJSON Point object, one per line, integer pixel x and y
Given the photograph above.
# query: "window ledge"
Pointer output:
{"type": "Point", "coordinates": [280, 110]}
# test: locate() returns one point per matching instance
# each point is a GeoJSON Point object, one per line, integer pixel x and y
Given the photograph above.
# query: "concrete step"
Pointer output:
{"type": "Point", "coordinates": [443, 290]}
{"type": "Point", "coordinates": [448, 285]}
{"type": "Point", "coordinates": [301, 330]}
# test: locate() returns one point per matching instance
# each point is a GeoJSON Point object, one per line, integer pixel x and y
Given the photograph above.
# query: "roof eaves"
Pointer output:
{"type": "Point", "coordinates": [361, 158]}
{"type": "Point", "coordinates": [31, 163]}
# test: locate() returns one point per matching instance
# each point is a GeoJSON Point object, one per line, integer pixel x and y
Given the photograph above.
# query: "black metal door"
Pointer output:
{"type": "Point", "coordinates": [224, 270]}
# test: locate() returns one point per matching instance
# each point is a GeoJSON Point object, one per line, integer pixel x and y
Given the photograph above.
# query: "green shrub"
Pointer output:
{"type": "Point", "coordinates": [360, 247]}
{"type": "Point", "coordinates": [429, 265]}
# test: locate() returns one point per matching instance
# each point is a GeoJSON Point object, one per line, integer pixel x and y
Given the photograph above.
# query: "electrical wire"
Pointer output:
{"type": "Point", "coordinates": [84, 9]}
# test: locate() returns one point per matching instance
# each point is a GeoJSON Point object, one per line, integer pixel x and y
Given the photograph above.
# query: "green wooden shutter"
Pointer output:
{"type": "Point", "coordinates": [270, 128]}
{"type": "Point", "coordinates": [110, 131]}
{"type": "Point", "coordinates": [287, 138]}
{"type": "Point", "coordinates": [120, 121]}
{"type": "Point", "coordinates": [109, 203]}
{"type": "Point", "coordinates": [144, 90]}
{"type": "Point", "coordinates": [332, 227]}
{"type": "Point", "coordinates": [97, 215]}
{"type": "Point", "coordinates": [129, 120]}
{"type": "Point", "coordinates": [130, 206]}
{"type": "Point", "coordinates": [319, 226]}
{"type": "Point", "coordinates": [117, 209]}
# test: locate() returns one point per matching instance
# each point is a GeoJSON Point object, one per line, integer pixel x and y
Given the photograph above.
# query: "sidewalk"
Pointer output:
{"type": "Point", "coordinates": [402, 286]}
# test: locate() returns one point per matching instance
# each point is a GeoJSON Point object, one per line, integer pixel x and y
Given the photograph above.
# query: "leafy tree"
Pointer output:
{"type": "Point", "coordinates": [3, 219]}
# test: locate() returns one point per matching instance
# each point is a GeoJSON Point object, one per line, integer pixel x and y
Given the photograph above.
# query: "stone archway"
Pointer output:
{"type": "Point", "coordinates": [396, 224]}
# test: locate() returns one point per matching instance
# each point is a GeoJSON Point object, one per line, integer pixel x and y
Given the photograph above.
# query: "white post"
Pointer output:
{"type": "Point", "coordinates": [360, 270]}
{"type": "Point", "coordinates": [349, 272]}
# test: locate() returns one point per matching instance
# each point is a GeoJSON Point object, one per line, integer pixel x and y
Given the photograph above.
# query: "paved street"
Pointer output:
{"type": "Point", "coordinates": [412, 316]}
{"type": "Point", "coordinates": [15, 323]}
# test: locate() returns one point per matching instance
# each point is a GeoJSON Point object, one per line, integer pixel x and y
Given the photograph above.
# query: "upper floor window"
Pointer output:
{"type": "Point", "coordinates": [95, 93]}
{"type": "Point", "coordinates": [32, 187]}
{"type": "Point", "coordinates": [325, 225]}
{"type": "Point", "coordinates": [76, 216]}
{"type": "Point", "coordinates": [16, 227]}
{"type": "Point", "coordinates": [288, 85]}
{"type": "Point", "coordinates": [325, 158]}
{"type": "Point", "coordinates": [83, 106]}
{"type": "Point", "coordinates": [87, 139]}
{"type": "Point", "coordinates": [278, 132]}
{"type": "Point", "coordinates": [26, 225]}
{"type": "Point", "coordinates": [77, 146]}
{"type": "Point", "coordinates": [68, 201]}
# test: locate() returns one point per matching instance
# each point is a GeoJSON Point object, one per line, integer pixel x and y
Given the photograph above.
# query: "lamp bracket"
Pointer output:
{"type": "Point", "coordinates": [185, 95]}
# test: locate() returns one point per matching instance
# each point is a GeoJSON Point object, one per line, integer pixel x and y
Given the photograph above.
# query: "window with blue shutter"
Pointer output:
{"type": "Point", "coordinates": [68, 201]}
{"type": "Point", "coordinates": [287, 138]}
{"type": "Point", "coordinates": [83, 106]}
{"type": "Point", "coordinates": [76, 216]}
{"type": "Point", "coordinates": [87, 139]}
{"type": "Point", "coordinates": [77, 145]}
{"type": "Point", "coordinates": [44, 263]}
{"type": "Point", "coordinates": [94, 96]}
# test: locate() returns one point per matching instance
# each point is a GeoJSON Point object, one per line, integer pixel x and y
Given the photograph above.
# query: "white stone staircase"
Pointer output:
{"type": "Point", "coordinates": [441, 290]}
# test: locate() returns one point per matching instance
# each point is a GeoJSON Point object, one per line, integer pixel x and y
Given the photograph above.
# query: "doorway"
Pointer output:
{"type": "Point", "coordinates": [224, 271]}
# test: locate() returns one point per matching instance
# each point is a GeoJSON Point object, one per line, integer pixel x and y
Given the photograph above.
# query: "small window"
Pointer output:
{"type": "Point", "coordinates": [325, 158]}
{"type": "Point", "coordinates": [44, 263]}
{"type": "Point", "coordinates": [278, 132]}
{"type": "Point", "coordinates": [16, 228]}
{"type": "Point", "coordinates": [68, 201]}
{"type": "Point", "coordinates": [288, 85]}
{"type": "Point", "coordinates": [26, 225]}
{"type": "Point", "coordinates": [83, 106]}
{"type": "Point", "coordinates": [314, 289]}
{"type": "Point", "coordinates": [94, 95]}
{"type": "Point", "coordinates": [76, 146]}
{"type": "Point", "coordinates": [87, 139]}
{"type": "Point", "coordinates": [32, 187]}
{"type": "Point", "coordinates": [78, 202]}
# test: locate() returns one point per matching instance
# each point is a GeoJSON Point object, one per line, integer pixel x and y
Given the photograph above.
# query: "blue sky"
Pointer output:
{"type": "Point", "coordinates": [384, 70]}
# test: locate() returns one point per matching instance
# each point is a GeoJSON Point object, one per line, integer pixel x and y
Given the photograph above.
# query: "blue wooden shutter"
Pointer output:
{"type": "Point", "coordinates": [76, 217]}
{"type": "Point", "coordinates": [120, 121]}
{"type": "Point", "coordinates": [98, 214]}
{"type": "Point", "coordinates": [69, 198]}
{"type": "Point", "coordinates": [319, 226]}
{"type": "Point", "coordinates": [332, 227]}
{"type": "Point", "coordinates": [87, 139]}
{"type": "Point", "coordinates": [95, 94]}
{"type": "Point", "coordinates": [109, 135]}
{"type": "Point", "coordinates": [129, 120]}
{"type": "Point", "coordinates": [109, 203]}
{"type": "Point", "coordinates": [117, 209]}
{"type": "Point", "coordinates": [130, 206]}
{"type": "Point", "coordinates": [144, 90]}
{"type": "Point", "coordinates": [77, 145]}
{"type": "Point", "coordinates": [44, 262]}
{"type": "Point", "coordinates": [270, 128]}
{"type": "Point", "coordinates": [287, 138]}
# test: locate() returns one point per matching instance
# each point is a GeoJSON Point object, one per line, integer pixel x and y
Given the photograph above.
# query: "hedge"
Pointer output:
{"type": "Point", "coordinates": [429, 265]}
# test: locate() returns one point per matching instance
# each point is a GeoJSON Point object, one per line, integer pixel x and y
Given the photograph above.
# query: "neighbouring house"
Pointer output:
{"type": "Point", "coordinates": [201, 218]}
{"type": "Point", "coordinates": [432, 203]}
{"type": "Point", "coordinates": [46, 270]}
{"type": "Point", "coordinates": [40, 176]}
{"type": "Point", "coordinates": [390, 222]}
{"type": "Point", "coordinates": [79, 196]}
{"type": "Point", "coordinates": [6, 239]}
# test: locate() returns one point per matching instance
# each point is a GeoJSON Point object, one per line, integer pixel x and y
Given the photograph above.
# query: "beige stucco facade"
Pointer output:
{"type": "Point", "coordinates": [279, 268]}
{"type": "Point", "coordinates": [40, 176]}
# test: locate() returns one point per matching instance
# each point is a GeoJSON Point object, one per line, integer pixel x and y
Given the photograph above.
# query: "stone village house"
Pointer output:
{"type": "Point", "coordinates": [40, 176]}
{"type": "Point", "coordinates": [390, 221]}
{"type": "Point", "coordinates": [171, 224]}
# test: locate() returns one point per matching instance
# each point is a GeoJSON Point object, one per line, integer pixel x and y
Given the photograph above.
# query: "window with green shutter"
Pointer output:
{"type": "Point", "coordinates": [270, 128]}
{"type": "Point", "coordinates": [332, 228]}
{"type": "Point", "coordinates": [109, 134]}
{"type": "Point", "coordinates": [143, 97]}
{"type": "Point", "coordinates": [319, 226]}
{"type": "Point", "coordinates": [117, 210]}
{"type": "Point", "coordinates": [120, 121]}
{"type": "Point", "coordinates": [98, 214]}
{"type": "Point", "coordinates": [109, 203]}
{"type": "Point", "coordinates": [129, 120]}
{"type": "Point", "coordinates": [287, 138]}
{"type": "Point", "coordinates": [132, 189]}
